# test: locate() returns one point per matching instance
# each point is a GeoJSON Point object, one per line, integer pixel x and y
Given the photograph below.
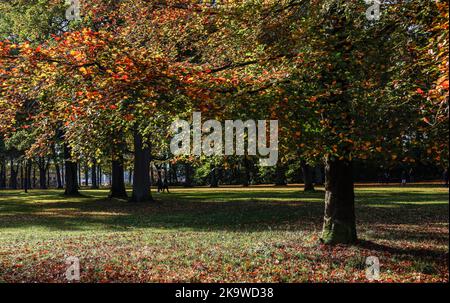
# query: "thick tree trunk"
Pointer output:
{"type": "Point", "coordinates": [71, 184]}
{"type": "Point", "coordinates": [94, 184]}
{"type": "Point", "coordinates": [307, 176]}
{"type": "Point", "coordinates": [141, 177]}
{"type": "Point", "coordinates": [339, 219]}
{"type": "Point", "coordinates": [118, 181]}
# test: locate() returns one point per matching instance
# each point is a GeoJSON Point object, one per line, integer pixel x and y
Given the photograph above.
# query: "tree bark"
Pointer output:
{"type": "Point", "coordinates": [3, 174]}
{"type": "Point", "coordinates": [188, 174]}
{"type": "Point", "coordinates": [27, 180]}
{"type": "Point", "coordinates": [22, 184]}
{"type": "Point", "coordinates": [246, 176]}
{"type": "Point", "coordinates": [214, 179]}
{"type": "Point", "coordinates": [86, 175]}
{"type": "Point", "coordinates": [79, 173]}
{"type": "Point", "coordinates": [280, 175]}
{"type": "Point", "coordinates": [71, 184]}
{"type": "Point", "coordinates": [100, 177]}
{"type": "Point", "coordinates": [141, 176]}
{"type": "Point", "coordinates": [130, 176]}
{"type": "Point", "coordinates": [339, 219]}
{"type": "Point", "coordinates": [13, 176]}
{"type": "Point", "coordinates": [58, 175]}
{"type": "Point", "coordinates": [42, 173]}
{"type": "Point", "coordinates": [94, 184]}
{"type": "Point", "coordinates": [307, 176]}
{"type": "Point", "coordinates": [118, 181]}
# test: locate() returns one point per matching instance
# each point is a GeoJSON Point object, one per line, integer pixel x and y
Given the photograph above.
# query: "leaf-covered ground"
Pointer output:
{"type": "Point", "coordinates": [265, 234]}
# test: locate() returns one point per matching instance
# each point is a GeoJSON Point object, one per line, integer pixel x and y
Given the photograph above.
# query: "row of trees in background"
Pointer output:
{"type": "Point", "coordinates": [344, 89]}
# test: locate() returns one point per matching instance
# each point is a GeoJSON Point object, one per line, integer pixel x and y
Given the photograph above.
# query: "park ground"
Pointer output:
{"type": "Point", "coordinates": [259, 234]}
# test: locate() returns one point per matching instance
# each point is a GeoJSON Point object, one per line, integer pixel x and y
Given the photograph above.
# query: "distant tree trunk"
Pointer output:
{"type": "Point", "coordinates": [100, 176]}
{"type": "Point", "coordinates": [118, 181]}
{"type": "Point", "coordinates": [57, 169]}
{"type": "Point", "coordinates": [307, 176]}
{"type": "Point", "coordinates": [94, 184]}
{"type": "Point", "coordinates": [130, 176]}
{"type": "Point", "coordinates": [26, 181]}
{"type": "Point", "coordinates": [13, 175]}
{"type": "Point", "coordinates": [86, 175]}
{"type": "Point", "coordinates": [71, 184]}
{"type": "Point", "coordinates": [280, 175]}
{"type": "Point", "coordinates": [63, 174]}
{"type": "Point", "coordinates": [214, 181]}
{"type": "Point", "coordinates": [188, 174]}
{"type": "Point", "coordinates": [34, 176]}
{"type": "Point", "coordinates": [152, 177]}
{"type": "Point", "coordinates": [339, 219]}
{"type": "Point", "coordinates": [141, 177]}
{"type": "Point", "coordinates": [318, 175]}
{"type": "Point", "coordinates": [42, 173]}
{"type": "Point", "coordinates": [3, 174]}
{"type": "Point", "coordinates": [246, 176]}
{"type": "Point", "coordinates": [58, 175]}
{"type": "Point", "coordinates": [21, 176]}
{"type": "Point", "coordinates": [79, 173]}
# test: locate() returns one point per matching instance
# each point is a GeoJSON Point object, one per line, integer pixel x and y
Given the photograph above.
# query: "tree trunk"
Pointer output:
{"type": "Point", "coordinates": [118, 182]}
{"type": "Point", "coordinates": [13, 176]}
{"type": "Point", "coordinates": [94, 184]}
{"type": "Point", "coordinates": [214, 180]}
{"type": "Point", "coordinates": [130, 176]}
{"type": "Point", "coordinates": [86, 175]}
{"type": "Point", "coordinates": [141, 176]}
{"type": "Point", "coordinates": [246, 176]}
{"type": "Point", "coordinates": [71, 183]}
{"type": "Point", "coordinates": [280, 175]}
{"type": "Point", "coordinates": [339, 219]}
{"type": "Point", "coordinates": [34, 176]}
{"type": "Point", "coordinates": [3, 174]}
{"type": "Point", "coordinates": [79, 173]}
{"type": "Point", "coordinates": [22, 184]}
{"type": "Point", "coordinates": [58, 175]}
{"type": "Point", "coordinates": [188, 175]}
{"type": "Point", "coordinates": [42, 173]}
{"type": "Point", "coordinates": [27, 179]}
{"type": "Point", "coordinates": [307, 176]}
{"type": "Point", "coordinates": [100, 177]}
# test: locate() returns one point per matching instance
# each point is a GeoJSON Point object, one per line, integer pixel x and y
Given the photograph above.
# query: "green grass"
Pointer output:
{"type": "Point", "coordinates": [227, 235]}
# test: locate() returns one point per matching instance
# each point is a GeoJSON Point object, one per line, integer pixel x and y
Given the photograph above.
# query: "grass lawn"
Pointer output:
{"type": "Point", "coordinates": [266, 234]}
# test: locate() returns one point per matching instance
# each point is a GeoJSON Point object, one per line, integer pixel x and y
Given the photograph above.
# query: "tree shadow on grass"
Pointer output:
{"type": "Point", "coordinates": [212, 210]}
{"type": "Point", "coordinates": [421, 253]}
